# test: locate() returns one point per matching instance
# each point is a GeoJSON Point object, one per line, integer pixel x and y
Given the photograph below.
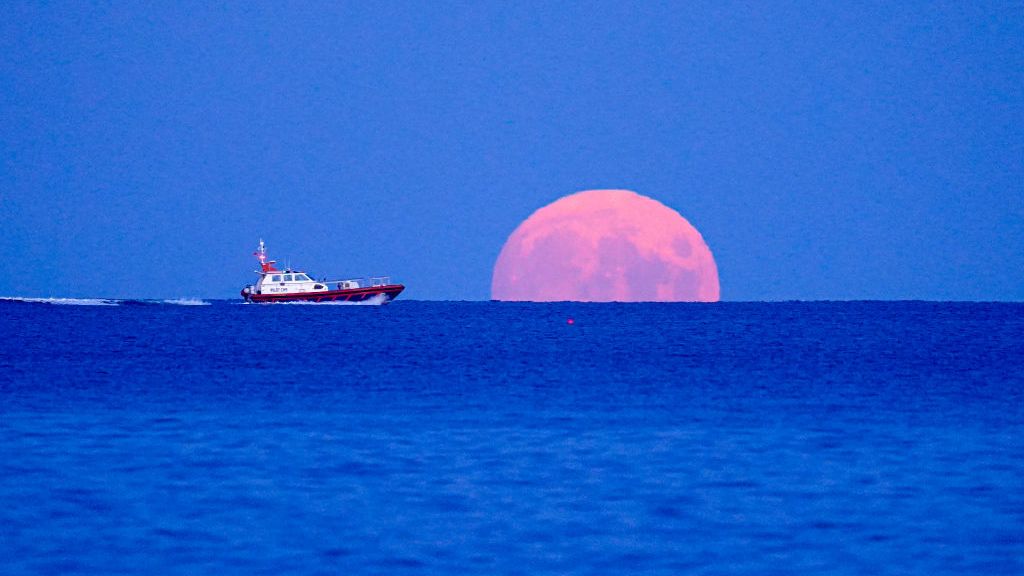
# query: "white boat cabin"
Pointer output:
{"type": "Point", "coordinates": [293, 282]}
{"type": "Point", "coordinates": [288, 282]}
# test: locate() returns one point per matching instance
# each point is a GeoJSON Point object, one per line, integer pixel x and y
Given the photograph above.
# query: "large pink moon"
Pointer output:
{"type": "Point", "coordinates": [605, 246]}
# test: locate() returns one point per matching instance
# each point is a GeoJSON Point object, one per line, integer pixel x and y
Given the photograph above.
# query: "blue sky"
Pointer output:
{"type": "Point", "coordinates": [825, 150]}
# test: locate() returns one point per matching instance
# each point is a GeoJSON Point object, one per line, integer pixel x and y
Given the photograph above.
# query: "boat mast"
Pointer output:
{"type": "Point", "coordinates": [261, 255]}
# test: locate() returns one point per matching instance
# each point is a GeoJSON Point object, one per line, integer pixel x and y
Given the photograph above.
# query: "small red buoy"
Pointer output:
{"type": "Point", "coordinates": [570, 321]}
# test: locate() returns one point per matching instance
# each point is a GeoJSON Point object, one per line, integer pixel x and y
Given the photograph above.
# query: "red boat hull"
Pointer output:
{"type": "Point", "coordinates": [389, 291]}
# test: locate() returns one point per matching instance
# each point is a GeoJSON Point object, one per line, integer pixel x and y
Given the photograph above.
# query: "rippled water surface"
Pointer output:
{"type": "Point", "coordinates": [487, 438]}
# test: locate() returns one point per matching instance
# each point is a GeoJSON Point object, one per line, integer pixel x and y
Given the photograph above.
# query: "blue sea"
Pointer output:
{"type": "Point", "coordinates": [500, 438]}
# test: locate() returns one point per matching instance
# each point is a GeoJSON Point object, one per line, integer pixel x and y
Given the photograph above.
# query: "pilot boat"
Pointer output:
{"type": "Point", "coordinates": [296, 286]}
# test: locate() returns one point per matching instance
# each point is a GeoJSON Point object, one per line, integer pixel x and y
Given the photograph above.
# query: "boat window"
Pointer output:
{"type": "Point", "coordinates": [287, 277]}
{"type": "Point", "coordinates": [302, 277]}
{"type": "Point", "coordinates": [275, 278]}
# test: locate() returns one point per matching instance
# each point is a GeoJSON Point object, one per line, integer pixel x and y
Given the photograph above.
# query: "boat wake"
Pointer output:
{"type": "Point", "coordinates": [64, 301]}
{"type": "Point", "coordinates": [104, 301]}
{"type": "Point", "coordinates": [186, 302]}
{"type": "Point", "coordinates": [376, 300]}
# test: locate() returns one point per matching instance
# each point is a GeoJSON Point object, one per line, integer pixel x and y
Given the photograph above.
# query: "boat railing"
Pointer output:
{"type": "Point", "coordinates": [364, 282]}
